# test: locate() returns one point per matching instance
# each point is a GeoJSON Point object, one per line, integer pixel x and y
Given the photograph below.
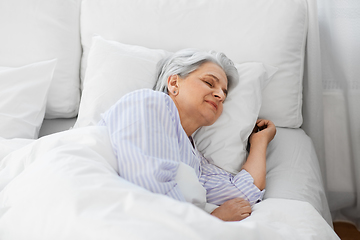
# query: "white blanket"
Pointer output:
{"type": "Point", "coordinates": [9, 145]}
{"type": "Point", "coordinates": [65, 186]}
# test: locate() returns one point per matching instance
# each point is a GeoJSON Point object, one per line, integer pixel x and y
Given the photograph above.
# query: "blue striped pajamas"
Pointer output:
{"type": "Point", "coordinates": [149, 143]}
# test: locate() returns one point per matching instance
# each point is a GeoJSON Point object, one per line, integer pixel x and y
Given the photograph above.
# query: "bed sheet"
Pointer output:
{"type": "Point", "coordinates": [50, 126]}
{"type": "Point", "coordinates": [66, 186]}
{"type": "Point", "coordinates": [293, 170]}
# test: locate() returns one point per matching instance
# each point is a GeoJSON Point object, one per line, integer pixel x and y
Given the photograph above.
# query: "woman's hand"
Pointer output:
{"type": "Point", "coordinates": [263, 132]}
{"type": "Point", "coordinates": [233, 210]}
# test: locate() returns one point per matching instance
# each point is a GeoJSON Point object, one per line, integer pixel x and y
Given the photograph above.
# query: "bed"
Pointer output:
{"type": "Point", "coordinates": [58, 172]}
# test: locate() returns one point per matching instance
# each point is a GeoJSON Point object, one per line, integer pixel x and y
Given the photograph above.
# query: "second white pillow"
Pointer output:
{"type": "Point", "coordinates": [114, 69]}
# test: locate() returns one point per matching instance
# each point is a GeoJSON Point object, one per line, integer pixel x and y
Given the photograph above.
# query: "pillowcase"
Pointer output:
{"type": "Point", "coordinates": [224, 143]}
{"type": "Point", "coordinates": [114, 69]}
{"type": "Point", "coordinates": [35, 30]}
{"type": "Point", "coordinates": [24, 92]}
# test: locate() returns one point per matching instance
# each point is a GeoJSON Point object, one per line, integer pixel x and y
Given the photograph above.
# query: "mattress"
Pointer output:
{"type": "Point", "coordinates": [293, 170]}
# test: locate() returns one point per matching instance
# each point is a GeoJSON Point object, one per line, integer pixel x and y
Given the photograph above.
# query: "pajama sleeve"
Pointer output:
{"type": "Point", "coordinates": [144, 137]}
{"type": "Point", "coordinates": [222, 186]}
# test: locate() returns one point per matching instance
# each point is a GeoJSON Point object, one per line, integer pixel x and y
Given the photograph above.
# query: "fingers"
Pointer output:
{"type": "Point", "coordinates": [243, 216]}
{"type": "Point", "coordinates": [262, 124]}
{"type": "Point", "coordinates": [264, 130]}
{"type": "Point", "coordinates": [233, 210]}
{"type": "Point", "coordinates": [242, 209]}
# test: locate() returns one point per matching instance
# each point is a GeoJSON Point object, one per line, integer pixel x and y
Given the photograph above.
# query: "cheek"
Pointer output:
{"type": "Point", "coordinates": [219, 112]}
{"type": "Point", "coordinates": [201, 87]}
{"type": "Point", "coordinates": [220, 109]}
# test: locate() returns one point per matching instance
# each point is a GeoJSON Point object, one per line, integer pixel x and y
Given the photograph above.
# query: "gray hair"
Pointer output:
{"type": "Point", "coordinates": [186, 61]}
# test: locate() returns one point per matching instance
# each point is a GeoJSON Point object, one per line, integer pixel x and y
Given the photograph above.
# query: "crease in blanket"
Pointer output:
{"type": "Point", "coordinates": [190, 187]}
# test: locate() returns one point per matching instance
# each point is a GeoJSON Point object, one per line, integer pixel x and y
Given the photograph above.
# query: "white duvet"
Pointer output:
{"type": "Point", "coordinates": [65, 186]}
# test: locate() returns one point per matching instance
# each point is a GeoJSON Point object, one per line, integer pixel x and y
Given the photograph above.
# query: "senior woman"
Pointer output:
{"type": "Point", "coordinates": [151, 130]}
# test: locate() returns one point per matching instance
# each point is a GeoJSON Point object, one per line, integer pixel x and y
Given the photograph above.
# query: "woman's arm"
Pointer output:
{"type": "Point", "coordinates": [143, 135]}
{"type": "Point", "coordinates": [221, 186]}
{"type": "Point", "coordinates": [255, 164]}
{"type": "Point", "coordinates": [249, 183]}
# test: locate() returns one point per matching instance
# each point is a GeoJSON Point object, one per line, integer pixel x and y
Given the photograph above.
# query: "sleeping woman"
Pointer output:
{"type": "Point", "coordinates": [151, 131]}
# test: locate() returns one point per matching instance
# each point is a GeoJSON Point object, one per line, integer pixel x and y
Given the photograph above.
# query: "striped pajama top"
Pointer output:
{"type": "Point", "coordinates": [149, 143]}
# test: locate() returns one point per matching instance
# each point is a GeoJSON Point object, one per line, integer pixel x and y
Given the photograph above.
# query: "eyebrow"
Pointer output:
{"type": "Point", "coordinates": [217, 80]}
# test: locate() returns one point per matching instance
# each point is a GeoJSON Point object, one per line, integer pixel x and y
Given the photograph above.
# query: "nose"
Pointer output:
{"type": "Point", "coordinates": [219, 94]}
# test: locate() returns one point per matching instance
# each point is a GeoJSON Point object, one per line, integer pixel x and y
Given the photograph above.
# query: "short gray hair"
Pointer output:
{"type": "Point", "coordinates": [186, 61]}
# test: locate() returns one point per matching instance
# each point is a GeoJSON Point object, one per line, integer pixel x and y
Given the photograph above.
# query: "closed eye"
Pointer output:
{"type": "Point", "coordinates": [208, 83]}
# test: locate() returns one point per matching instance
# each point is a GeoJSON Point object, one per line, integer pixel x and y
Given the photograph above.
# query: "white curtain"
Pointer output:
{"type": "Point", "coordinates": [339, 28]}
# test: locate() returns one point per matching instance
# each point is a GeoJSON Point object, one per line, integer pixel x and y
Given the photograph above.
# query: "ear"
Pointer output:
{"type": "Point", "coordinates": [173, 85]}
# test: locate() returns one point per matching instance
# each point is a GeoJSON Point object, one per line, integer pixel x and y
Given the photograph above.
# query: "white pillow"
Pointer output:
{"type": "Point", "coordinates": [272, 32]}
{"type": "Point", "coordinates": [224, 143]}
{"type": "Point", "coordinates": [24, 92]}
{"type": "Point", "coordinates": [114, 69]}
{"type": "Point", "coordinates": [32, 31]}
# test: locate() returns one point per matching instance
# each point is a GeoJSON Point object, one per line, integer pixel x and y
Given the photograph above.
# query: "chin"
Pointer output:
{"type": "Point", "coordinates": [209, 118]}
{"type": "Point", "coordinates": [211, 122]}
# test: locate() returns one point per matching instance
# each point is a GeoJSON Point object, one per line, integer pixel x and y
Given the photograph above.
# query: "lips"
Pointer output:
{"type": "Point", "coordinates": [213, 104]}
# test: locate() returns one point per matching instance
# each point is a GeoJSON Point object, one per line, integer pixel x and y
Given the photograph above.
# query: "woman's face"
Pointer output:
{"type": "Point", "coordinates": [200, 96]}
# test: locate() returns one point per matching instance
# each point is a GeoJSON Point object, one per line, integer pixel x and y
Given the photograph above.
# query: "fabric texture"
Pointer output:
{"type": "Point", "coordinates": [149, 143]}
{"type": "Point", "coordinates": [34, 30]}
{"type": "Point", "coordinates": [10, 145]}
{"type": "Point", "coordinates": [24, 93]}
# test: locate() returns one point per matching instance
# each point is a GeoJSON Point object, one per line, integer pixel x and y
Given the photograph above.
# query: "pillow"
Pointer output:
{"type": "Point", "coordinates": [35, 30]}
{"type": "Point", "coordinates": [114, 69]}
{"type": "Point", "coordinates": [271, 32]}
{"type": "Point", "coordinates": [24, 92]}
{"type": "Point", "coordinates": [224, 143]}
